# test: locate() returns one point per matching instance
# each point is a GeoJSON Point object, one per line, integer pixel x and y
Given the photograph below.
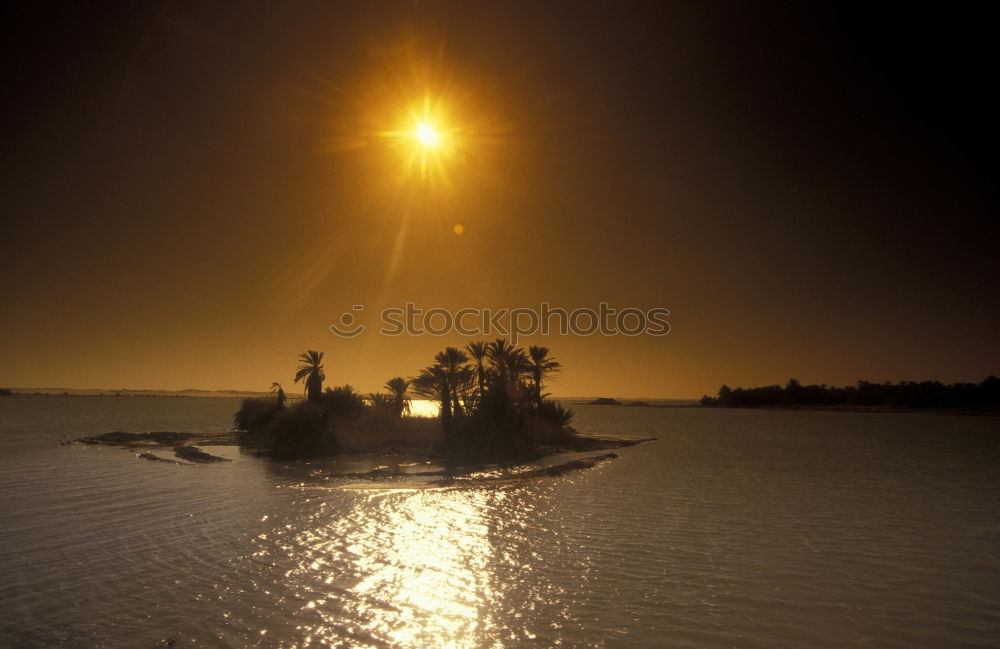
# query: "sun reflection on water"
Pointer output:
{"type": "Point", "coordinates": [407, 568]}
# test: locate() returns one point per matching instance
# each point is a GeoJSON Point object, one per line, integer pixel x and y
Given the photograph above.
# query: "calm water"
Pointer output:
{"type": "Point", "coordinates": [736, 529]}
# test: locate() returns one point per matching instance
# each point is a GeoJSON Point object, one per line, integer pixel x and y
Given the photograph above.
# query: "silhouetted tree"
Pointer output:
{"type": "Point", "coordinates": [508, 365]}
{"type": "Point", "coordinates": [279, 394]}
{"type": "Point", "coordinates": [399, 393]}
{"type": "Point", "coordinates": [905, 394]}
{"type": "Point", "coordinates": [382, 403]}
{"type": "Point", "coordinates": [794, 392]}
{"type": "Point", "coordinates": [478, 351]}
{"type": "Point", "coordinates": [542, 366]}
{"type": "Point", "coordinates": [311, 370]}
{"type": "Point", "coordinates": [432, 383]}
{"type": "Point", "coordinates": [452, 361]}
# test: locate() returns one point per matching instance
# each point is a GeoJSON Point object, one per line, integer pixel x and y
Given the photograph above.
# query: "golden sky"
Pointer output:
{"type": "Point", "coordinates": [192, 195]}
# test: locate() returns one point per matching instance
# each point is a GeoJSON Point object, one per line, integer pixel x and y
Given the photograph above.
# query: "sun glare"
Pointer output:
{"type": "Point", "coordinates": [427, 134]}
{"type": "Point", "coordinates": [427, 143]}
{"type": "Point", "coordinates": [428, 137]}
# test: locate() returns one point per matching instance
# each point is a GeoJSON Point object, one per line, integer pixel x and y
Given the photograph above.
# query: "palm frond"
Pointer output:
{"type": "Point", "coordinates": [478, 350]}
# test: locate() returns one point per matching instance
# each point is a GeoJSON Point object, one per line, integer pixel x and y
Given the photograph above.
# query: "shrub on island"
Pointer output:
{"type": "Point", "coordinates": [306, 429]}
{"type": "Point", "coordinates": [504, 430]}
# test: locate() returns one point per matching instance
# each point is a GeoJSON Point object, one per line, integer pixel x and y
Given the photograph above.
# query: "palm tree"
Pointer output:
{"type": "Point", "coordinates": [398, 389]}
{"type": "Point", "coordinates": [311, 370]}
{"type": "Point", "coordinates": [464, 397]}
{"type": "Point", "coordinates": [446, 381]}
{"type": "Point", "coordinates": [382, 402]}
{"type": "Point", "coordinates": [452, 361]}
{"type": "Point", "coordinates": [518, 365]}
{"type": "Point", "coordinates": [478, 350]}
{"type": "Point", "coordinates": [279, 394]}
{"type": "Point", "coordinates": [432, 383]}
{"type": "Point", "coordinates": [498, 351]}
{"type": "Point", "coordinates": [509, 364]}
{"type": "Point", "coordinates": [542, 366]}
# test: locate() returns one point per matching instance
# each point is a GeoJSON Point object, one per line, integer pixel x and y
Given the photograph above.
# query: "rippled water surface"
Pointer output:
{"type": "Point", "coordinates": [735, 529]}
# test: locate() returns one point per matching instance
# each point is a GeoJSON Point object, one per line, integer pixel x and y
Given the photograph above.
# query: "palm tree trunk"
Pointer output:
{"type": "Point", "coordinates": [445, 403]}
{"type": "Point", "coordinates": [314, 387]}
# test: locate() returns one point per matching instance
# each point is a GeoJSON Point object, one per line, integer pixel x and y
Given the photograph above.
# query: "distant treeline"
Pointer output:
{"type": "Point", "coordinates": [5, 392]}
{"type": "Point", "coordinates": [907, 394]}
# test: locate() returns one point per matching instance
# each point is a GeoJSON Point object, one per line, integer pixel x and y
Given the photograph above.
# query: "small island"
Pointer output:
{"type": "Point", "coordinates": [491, 407]}
{"type": "Point", "coordinates": [611, 401]}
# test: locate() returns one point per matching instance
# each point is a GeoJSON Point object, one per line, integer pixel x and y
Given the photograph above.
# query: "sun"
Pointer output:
{"type": "Point", "coordinates": [428, 142]}
{"type": "Point", "coordinates": [428, 136]}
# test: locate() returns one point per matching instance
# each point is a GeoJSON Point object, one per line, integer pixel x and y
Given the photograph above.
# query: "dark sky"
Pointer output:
{"type": "Point", "coordinates": [192, 192]}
